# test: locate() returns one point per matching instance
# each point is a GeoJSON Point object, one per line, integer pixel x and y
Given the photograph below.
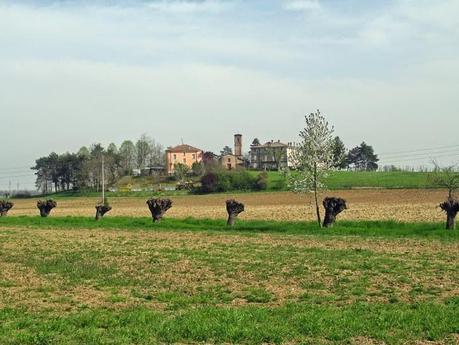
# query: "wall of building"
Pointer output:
{"type": "Point", "coordinates": [230, 162]}
{"type": "Point", "coordinates": [187, 158]}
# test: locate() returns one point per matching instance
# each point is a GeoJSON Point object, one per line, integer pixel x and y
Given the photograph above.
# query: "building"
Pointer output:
{"type": "Point", "coordinates": [184, 154]}
{"type": "Point", "coordinates": [272, 155]}
{"type": "Point", "coordinates": [236, 160]}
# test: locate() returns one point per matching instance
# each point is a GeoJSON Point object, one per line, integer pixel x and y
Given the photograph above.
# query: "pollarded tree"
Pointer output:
{"type": "Point", "coordinates": [447, 178]}
{"type": "Point", "coordinates": [313, 157]}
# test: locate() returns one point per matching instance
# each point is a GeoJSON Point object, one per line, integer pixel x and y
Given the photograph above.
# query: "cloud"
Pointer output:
{"type": "Point", "coordinates": [189, 6]}
{"type": "Point", "coordinates": [301, 5]}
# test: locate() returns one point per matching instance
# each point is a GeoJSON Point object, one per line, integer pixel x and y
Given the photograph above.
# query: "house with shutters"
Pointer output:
{"type": "Point", "coordinates": [184, 154]}
{"type": "Point", "coordinates": [272, 155]}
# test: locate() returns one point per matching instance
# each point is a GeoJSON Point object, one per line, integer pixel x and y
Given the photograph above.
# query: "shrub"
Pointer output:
{"type": "Point", "coordinates": [242, 180]}
{"type": "Point", "coordinates": [262, 181]}
{"type": "Point", "coordinates": [209, 183]}
{"type": "Point", "coordinates": [224, 181]}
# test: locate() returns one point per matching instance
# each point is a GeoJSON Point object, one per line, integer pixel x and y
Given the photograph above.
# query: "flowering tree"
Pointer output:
{"type": "Point", "coordinates": [313, 157]}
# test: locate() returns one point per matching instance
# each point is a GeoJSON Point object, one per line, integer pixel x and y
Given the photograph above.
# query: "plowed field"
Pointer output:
{"type": "Point", "coordinates": [403, 205]}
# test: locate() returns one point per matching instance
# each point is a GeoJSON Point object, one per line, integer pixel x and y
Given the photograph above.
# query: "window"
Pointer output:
{"type": "Point", "coordinates": [229, 160]}
{"type": "Point", "coordinates": [194, 156]}
{"type": "Point", "coordinates": [175, 157]}
{"type": "Point", "coordinates": [184, 160]}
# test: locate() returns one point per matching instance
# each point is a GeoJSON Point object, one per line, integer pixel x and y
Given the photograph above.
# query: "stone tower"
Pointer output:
{"type": "Point", "coordinates": [238, 145]}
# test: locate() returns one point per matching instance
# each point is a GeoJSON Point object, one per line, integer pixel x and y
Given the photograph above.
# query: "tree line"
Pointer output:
{"type": "Point", "coordinates": [361, 157]}
{"type": "Point", "coordinates": [82, 170]}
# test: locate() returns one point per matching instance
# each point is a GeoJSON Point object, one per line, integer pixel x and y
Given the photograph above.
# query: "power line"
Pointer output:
{"type": "Point", "coordinates": [14, 168]}
{"type": "Point", "coordinates": [16, 176]}
{"type": "Point", "coordinates": [392, 161]}
{"type": "Point", "coordinates": [420, 154]}
{"type": "Point", "coordinates": [420, 150]}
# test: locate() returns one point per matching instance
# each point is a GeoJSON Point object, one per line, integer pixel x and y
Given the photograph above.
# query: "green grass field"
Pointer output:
{"type": "Point", "coordinates": [127, 281]}
{"type": "Point", "coordinates": [362, 179]}
{"type": "Point", "coordinates": [337, 180]}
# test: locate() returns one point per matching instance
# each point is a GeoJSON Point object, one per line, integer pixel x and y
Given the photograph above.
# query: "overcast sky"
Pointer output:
{"type": "Point", "coordinates": [74, 73]}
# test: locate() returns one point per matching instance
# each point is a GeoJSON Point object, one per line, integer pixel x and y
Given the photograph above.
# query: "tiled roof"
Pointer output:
{"type": "Point", "coordinates": [183, 148]}
{"type": "Point", "coordinates": [271, 144]}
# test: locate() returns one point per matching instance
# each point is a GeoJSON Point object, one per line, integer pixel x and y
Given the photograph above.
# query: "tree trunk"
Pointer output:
{"type": "Point", "coordinates": [158, 207]}
{"type": "Point", "coordinates": [451, 207]}
{"type": "Point", "coordinates": [233, 208]}
{"type": "Point", "coordinates": [101, 210]}
{"type": "Point", "coordinates": [316, 197]}
{"type": "Point", "coordinates": [5, 206]}
{"type": "Point", "coordinates": [45, 207]}
{"type": "Point", "coordinates": [450, 221]}
{"type": "Point", "coordinates": [333, 207]}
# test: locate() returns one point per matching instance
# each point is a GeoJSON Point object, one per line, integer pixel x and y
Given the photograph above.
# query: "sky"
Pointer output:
{"type": "Point", "coordinates": [73, 73]}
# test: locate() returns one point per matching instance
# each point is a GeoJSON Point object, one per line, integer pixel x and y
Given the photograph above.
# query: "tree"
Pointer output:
{"type": "Point", "coordinates": [226, 151]}
{"type": "Point", "coordinates": [255, 142]}
{"type": "Point", "coordinates": [333, 207]}
{"type": "Point", "coordinates": [210, 162]}
{"type": "Point", "coordinates": [363, 158]}
{"type": "Point", "coordinates": [339, 154]}
{"type": "Point", "coordinates": [197, 168]}
{"type": "Point", "coordinates": [233, 208]}
{"type": "Point", "coordinates": [180, 171]}
{"type": "Point", "coordinates": [143, 148]}
{"type": "Point", "coordinates": [447, 178]}
{"type": "Point", "coordinates": [277, 153]}
{"type": "Point", "coordinates": [158, 207]}
{"type": "Point", "coordinates": [128, 155]}
{"type": "Point", "coordinates": [313, 157]}
{"type": "Point", "coordinates": [156, 154]}
{"type": "Point", "coordinates": [112, 148]}
{"type": "Point", "coordinates": [84, 152]}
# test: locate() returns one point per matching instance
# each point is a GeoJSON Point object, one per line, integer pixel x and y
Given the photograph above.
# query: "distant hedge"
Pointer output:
{"type": "Point", "coordinates": [238, 180]}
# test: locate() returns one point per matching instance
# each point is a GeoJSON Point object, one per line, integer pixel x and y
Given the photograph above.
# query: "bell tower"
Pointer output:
{"type": "Point", "coordinates": [238, 145]}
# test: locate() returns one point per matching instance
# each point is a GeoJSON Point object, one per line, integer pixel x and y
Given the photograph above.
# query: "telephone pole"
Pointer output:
{"type": "Point", "coordinates": [103, 180]}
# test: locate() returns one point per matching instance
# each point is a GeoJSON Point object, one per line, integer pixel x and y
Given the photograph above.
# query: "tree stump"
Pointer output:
{"type": "Point", "coordinates": [45, 207]}
{"type": "Point", "coordinates": [333, 206]}
{"type": "Point", "coordinates": [5, 206]}
{"type": "Point", "coordinates": [158, 207]}
{"type": "Point", "coordinates": [451, 207]}
{"type": "Point", "coordinates": [233, 208]}
{"type": "Point", "coordinates": [101, 210]}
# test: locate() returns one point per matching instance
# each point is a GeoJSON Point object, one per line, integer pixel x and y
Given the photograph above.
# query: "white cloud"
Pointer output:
{"type": "Point", "coordinates": [301, 5]}
{"type": "Point", "coordinates": [188, 6]}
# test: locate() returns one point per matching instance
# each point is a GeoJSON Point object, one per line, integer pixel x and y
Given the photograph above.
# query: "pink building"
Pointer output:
{"type": "Point", "coordinates": [184, 154]}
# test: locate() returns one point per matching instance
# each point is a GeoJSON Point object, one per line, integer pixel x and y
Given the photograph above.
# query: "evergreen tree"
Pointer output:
{"type": "Point", "coordinates": [362, 157]}
{"type": "Point", "coordinates": [339, 154]}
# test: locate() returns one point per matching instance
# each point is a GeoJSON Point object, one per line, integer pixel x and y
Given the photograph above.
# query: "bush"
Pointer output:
{"type": "Point", "coordinates": [225, 181]}
{"type": "Point", "coordinates": [242, 180]}
{"type": "Point", "coordinates": [262, 181]}
{"type": "Point", "coordinates": [209, 183]}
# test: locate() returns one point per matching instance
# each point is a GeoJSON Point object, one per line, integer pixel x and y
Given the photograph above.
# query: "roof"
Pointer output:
{"type": "Point", "coordinates": [183, 148]}
{"type": "Point", "coordinates": [271, 144]}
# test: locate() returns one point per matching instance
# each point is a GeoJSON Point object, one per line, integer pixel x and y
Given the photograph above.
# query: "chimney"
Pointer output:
{"type": "Point", "coordinates": [238, 145]}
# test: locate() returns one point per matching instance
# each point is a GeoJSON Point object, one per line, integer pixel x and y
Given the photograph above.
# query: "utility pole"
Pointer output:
{"type": "Point", "coordinates": [103, 180]}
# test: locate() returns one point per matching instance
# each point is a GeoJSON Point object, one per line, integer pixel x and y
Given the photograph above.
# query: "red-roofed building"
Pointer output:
{"type": "Point", "coordinates": [184, 154]}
